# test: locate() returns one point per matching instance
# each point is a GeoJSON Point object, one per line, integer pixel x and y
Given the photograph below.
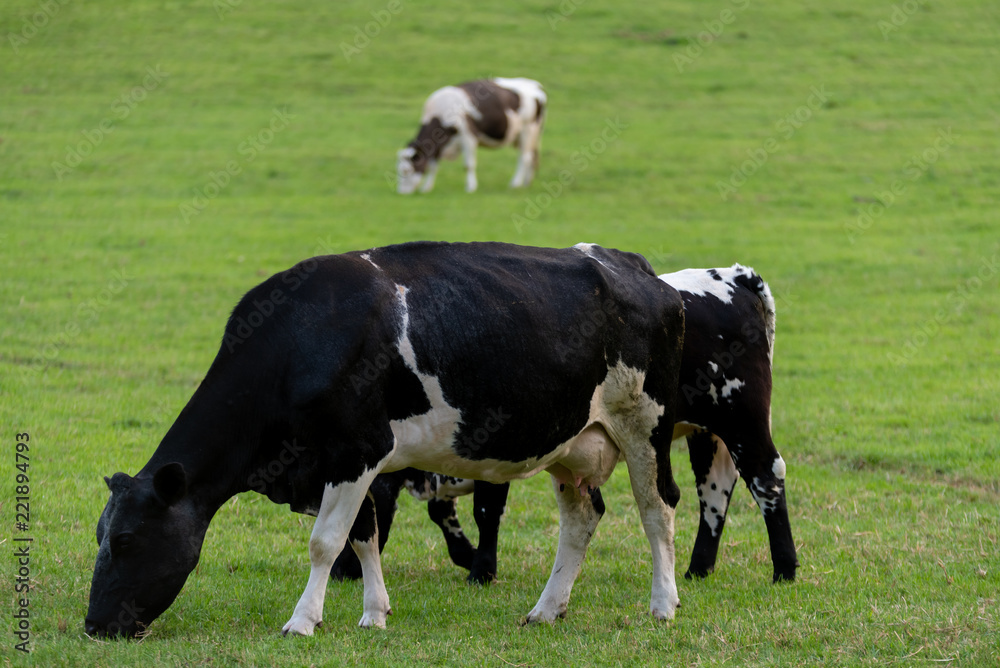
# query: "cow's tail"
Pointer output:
{"type": "Point", "coordinates": [752, 281]}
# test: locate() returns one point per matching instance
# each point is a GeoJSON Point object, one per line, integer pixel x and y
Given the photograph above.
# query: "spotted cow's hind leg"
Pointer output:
{"type": "Point", "coordinates": [490, 500]}
{"type": "Point", "coordinates": [763, 470]}
{"type": "Point", "coordinates": [715, 476]}
{"type": "Point", "coordinates": [444, 514]}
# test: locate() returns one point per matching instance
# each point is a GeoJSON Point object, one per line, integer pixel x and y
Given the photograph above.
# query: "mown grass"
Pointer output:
{"type": "Point", "coordinates": [885, 399]}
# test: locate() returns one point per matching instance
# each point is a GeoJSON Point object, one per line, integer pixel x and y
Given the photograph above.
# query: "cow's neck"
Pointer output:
{"type": "Point", "coordinates": [219, 438]}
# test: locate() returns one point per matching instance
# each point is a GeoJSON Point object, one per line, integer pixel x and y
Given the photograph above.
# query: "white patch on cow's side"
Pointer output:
{"type": "Point", "coordinates": [713, 366]}
{"type": "Point", "coordinates": [431, 432]}
{"type": "Point", "coordinates": [730, 386]}
{"type": "Point", "coordinates": [366, 256]}
{"type": "Point", "coordinates": [712, 392]}
{"type": "Point", "coordinates": [715, 491]}
{"type": "Point", "coordinates": [700, 283]}
{"type": "Point", "coordinates": [337, 513]}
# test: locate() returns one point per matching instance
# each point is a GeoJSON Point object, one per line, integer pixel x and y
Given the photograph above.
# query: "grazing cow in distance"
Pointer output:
{"type": "Point", "coordinates": [723, 408]}
{"type": "Point", "coordinates": [487, 112]}
{"type": "Point", "coordinates": [346, 366]}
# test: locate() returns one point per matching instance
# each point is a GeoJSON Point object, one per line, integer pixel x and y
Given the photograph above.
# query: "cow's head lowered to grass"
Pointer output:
{"type": "Point", "coordinates": [149, 539]}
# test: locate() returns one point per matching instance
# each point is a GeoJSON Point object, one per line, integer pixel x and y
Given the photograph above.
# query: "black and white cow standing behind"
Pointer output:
{"type": "Point", "coordinates": [488, 112]}
{"type": "Point", "coordinates": [723, 408]}
{"type": "Point", "coordinates": [392, 358]}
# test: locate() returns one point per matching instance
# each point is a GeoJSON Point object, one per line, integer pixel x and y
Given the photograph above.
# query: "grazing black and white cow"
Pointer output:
{"type": "Point", "coordinates": [488, 112]}
{"type": "Point", "coordinates": [485, 360]}
{"type": "Point", "coordinates": [723, 408]}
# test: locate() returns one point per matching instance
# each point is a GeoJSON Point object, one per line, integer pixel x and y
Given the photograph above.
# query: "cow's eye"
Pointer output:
{"type": "Point", "coordinates": [122, 542]}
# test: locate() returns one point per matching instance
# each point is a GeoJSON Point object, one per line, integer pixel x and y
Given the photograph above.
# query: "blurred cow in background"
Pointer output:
{"type": "Point", "coordinates": [487, 112]}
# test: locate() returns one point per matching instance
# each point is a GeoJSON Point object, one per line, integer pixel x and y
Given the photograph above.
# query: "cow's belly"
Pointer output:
{"type": "Point", "coordinates": [586, 460]}
{"type": "Point", "coordinates": [618, 410]}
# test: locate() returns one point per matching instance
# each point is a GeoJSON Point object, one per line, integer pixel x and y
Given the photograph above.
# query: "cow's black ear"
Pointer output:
{"type": "Point", "coordinates": [170, 483]}
{"type": "Point", "coordinates": [107, 481]}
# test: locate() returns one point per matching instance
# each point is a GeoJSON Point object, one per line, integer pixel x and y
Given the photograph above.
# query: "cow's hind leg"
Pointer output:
{"type": "Point", "coordinates": [578, 518]}
{"type": "Point", "coordinates": [337, 514]}
{"type": "Point", "coordinates": [657, 495]}
{"type": "Point", "coordinates": [763, 470]}
{"type": "Point", "coordinates": [444, 514]}
{"type": "Point", "coordinates": [715, 476]}
{"type": "Point", "coordinates": [490, 500]}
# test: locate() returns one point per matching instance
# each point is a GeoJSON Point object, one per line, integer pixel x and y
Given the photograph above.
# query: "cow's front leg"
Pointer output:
{"type": "Point", "coordinates": [578, 518]}
{"type": "Point", "coordinates": [429, 176]}
{"type": "Point", "coordinates": [527, 163]}
{"type": "Point", "coordinates": [365, 541]}
{"type": "Point", "coordinates": [337, 513]}
{"type": "Point", "coordinates": [469, 144]}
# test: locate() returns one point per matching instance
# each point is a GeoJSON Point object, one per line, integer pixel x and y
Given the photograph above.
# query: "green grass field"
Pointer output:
{"type": "Point", "coordinates": [158, 159]}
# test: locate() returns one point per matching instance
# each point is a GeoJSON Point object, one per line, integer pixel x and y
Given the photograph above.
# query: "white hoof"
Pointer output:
{"type": "Point", "coordinates": [665, 612]}
{"type": "Point", "coordinates": [540, 614]}
{"type": "Point", "coordinates": [373, 620]}
{"type": "Point", "coordinates": [299, 627]}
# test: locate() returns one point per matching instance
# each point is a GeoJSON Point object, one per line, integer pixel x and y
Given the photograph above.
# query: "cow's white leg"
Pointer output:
{"type": "Point", "coordinates": [469, 143]}
{"type": "Point", "coordinates": [527, 162]}
{"type": "Point", "coordinates": [337, 513]}
{"type": "Point", "coordinates": [377, 606]}
{"type": "Point", "coordinates": [658, 522]}
{"type": "Point", "coordinates": [429, 176]}
{"type": "Point", "coordinates": [578, 518]}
